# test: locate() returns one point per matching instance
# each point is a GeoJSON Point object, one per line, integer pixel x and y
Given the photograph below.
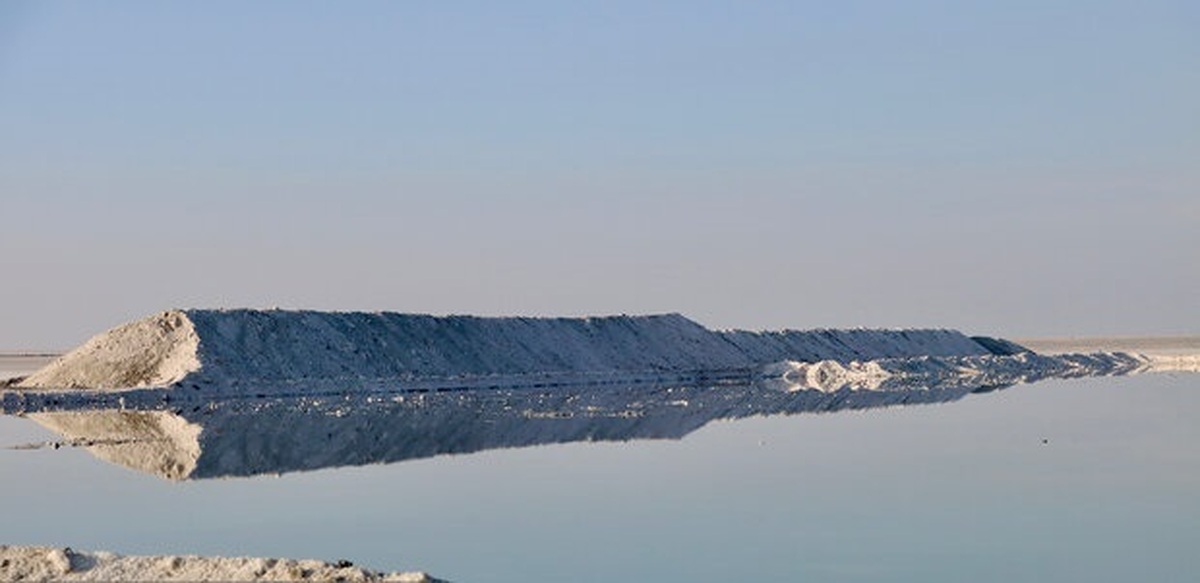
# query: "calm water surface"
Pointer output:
{"type": "Point", "coordinates": [1066, 480]}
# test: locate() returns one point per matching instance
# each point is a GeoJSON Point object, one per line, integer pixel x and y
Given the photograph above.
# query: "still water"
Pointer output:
{"type": "Point", "coordinates": [1092, 479]}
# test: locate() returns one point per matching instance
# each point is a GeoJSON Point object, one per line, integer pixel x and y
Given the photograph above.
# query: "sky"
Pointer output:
{"type": "Point", "coordinates": [1006, 168]}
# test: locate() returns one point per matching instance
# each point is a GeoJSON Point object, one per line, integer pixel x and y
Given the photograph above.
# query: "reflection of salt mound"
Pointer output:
{"type": "Point", "coordinates": [250, 437]}
{"type": "Point", "coordinates": [155, 442]}
{"type": "Point", "coordinates": [914, 373]}
{"type": "Point", "coordinates": [334, 350]}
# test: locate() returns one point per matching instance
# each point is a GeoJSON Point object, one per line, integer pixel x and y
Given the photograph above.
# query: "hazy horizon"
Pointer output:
{"type": "Point", "coordinates": [1020, 170]}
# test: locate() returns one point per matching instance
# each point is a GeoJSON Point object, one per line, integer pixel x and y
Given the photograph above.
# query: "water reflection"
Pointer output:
{"type": "Point", "coordinates": [160, 433]}
{"type": "Point", "coordinates": [249, 437]}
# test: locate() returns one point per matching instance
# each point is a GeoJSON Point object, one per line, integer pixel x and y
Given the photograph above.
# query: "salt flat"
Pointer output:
{"type": "Point", "coordinates": [1147, 345]}
{"type": "Point", "coordinates": [21, 364]}
{"type": "Point", "coordinates": [1161, 353]}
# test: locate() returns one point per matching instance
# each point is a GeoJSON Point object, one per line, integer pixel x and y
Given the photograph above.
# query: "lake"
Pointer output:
{"type": "Point", "coordinates": [1063, 480]}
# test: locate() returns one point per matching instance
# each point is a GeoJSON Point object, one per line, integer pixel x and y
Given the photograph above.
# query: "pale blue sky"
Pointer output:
{"type": "Point", "coordinates": [1010, 168]}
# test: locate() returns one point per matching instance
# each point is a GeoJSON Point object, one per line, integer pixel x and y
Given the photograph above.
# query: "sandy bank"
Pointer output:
{"type": "Point", "coordinates": [28, 563]}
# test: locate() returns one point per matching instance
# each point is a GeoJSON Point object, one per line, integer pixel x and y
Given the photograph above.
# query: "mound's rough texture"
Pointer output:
{"type": "Point", "coordinates": [57, 564]}
{"type": "Point", "coordinates": [156, 351]}
{"type": "Point", "coordinates": [215, 347]}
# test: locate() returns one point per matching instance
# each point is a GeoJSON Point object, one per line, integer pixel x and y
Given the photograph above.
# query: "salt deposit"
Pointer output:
{"type": "Point", "coordinates": [29, 563]}
{"type": "Point", "coordinates": [830, 375]}
{"type": "Point", "coordinates": [1144, 345]}
{"type": "Point", "coordinates": [155, 351]}
{"type": "Point", "coordinates": [282, 351]}
{"type": "Point", "coordinates": [207, 353]}
{"type": "Point", "coordinates": [1159, 353]}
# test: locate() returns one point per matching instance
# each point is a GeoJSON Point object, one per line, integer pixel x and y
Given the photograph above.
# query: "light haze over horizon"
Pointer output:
{"type": "Point", "coordinates": [1016, 169]}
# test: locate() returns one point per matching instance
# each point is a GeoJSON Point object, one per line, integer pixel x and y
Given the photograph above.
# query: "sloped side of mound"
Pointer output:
{"type": "Point", "coordinates": [851, 345]}
{"type": "Point", "coordinates": [299, 345]}
{"type": "Point", "coordinates": [154, 351]}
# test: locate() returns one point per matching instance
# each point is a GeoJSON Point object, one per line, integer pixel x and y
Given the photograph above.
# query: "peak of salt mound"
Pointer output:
{"type": "Point", "coordinates": [154, 351]}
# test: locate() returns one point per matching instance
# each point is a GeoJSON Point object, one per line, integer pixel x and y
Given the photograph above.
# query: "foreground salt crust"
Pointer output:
{"type": "Point", "coordinates": [31, 563]}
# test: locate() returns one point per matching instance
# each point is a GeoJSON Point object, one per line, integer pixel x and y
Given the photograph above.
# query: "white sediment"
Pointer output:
{"type": "Point", "coordinates": [33, 563]}
{"type": "Point", "coordinates": [208, 350]}
{"type": "Point", "coordinates": [1149, 346]}
{"type": "Point", "coordinates": [155, 351]}
{"type": "Point", "coordinates": [1159, 353]}
{"type": "Point", "coordinates": [830, 375]}
{"type": "Point", "coordinates": [1172, 363]}
{"type": "Point", "coordinates": [239, 352]}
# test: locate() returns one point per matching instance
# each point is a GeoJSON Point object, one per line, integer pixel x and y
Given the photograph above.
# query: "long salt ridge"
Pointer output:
{"type": "Point", "coordinates": [221, 350]}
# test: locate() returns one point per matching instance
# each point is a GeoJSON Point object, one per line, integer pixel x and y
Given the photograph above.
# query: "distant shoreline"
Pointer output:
{"type": "Point", "coordinates": [1147, 345]}
{"type": "Point", "coordinates": [19, 364]}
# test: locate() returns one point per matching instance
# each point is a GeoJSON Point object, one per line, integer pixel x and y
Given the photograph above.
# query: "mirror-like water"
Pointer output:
{"type": "Point", "coordinates": [1085, 479]}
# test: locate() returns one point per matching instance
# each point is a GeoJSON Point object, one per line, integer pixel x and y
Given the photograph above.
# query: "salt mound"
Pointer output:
{"type": "Point", "coordinates": [215, 349]}
{"type": "Point", "coordinates": [156, 351]}
{"type": "Point", "coordinates": [831, 376]}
